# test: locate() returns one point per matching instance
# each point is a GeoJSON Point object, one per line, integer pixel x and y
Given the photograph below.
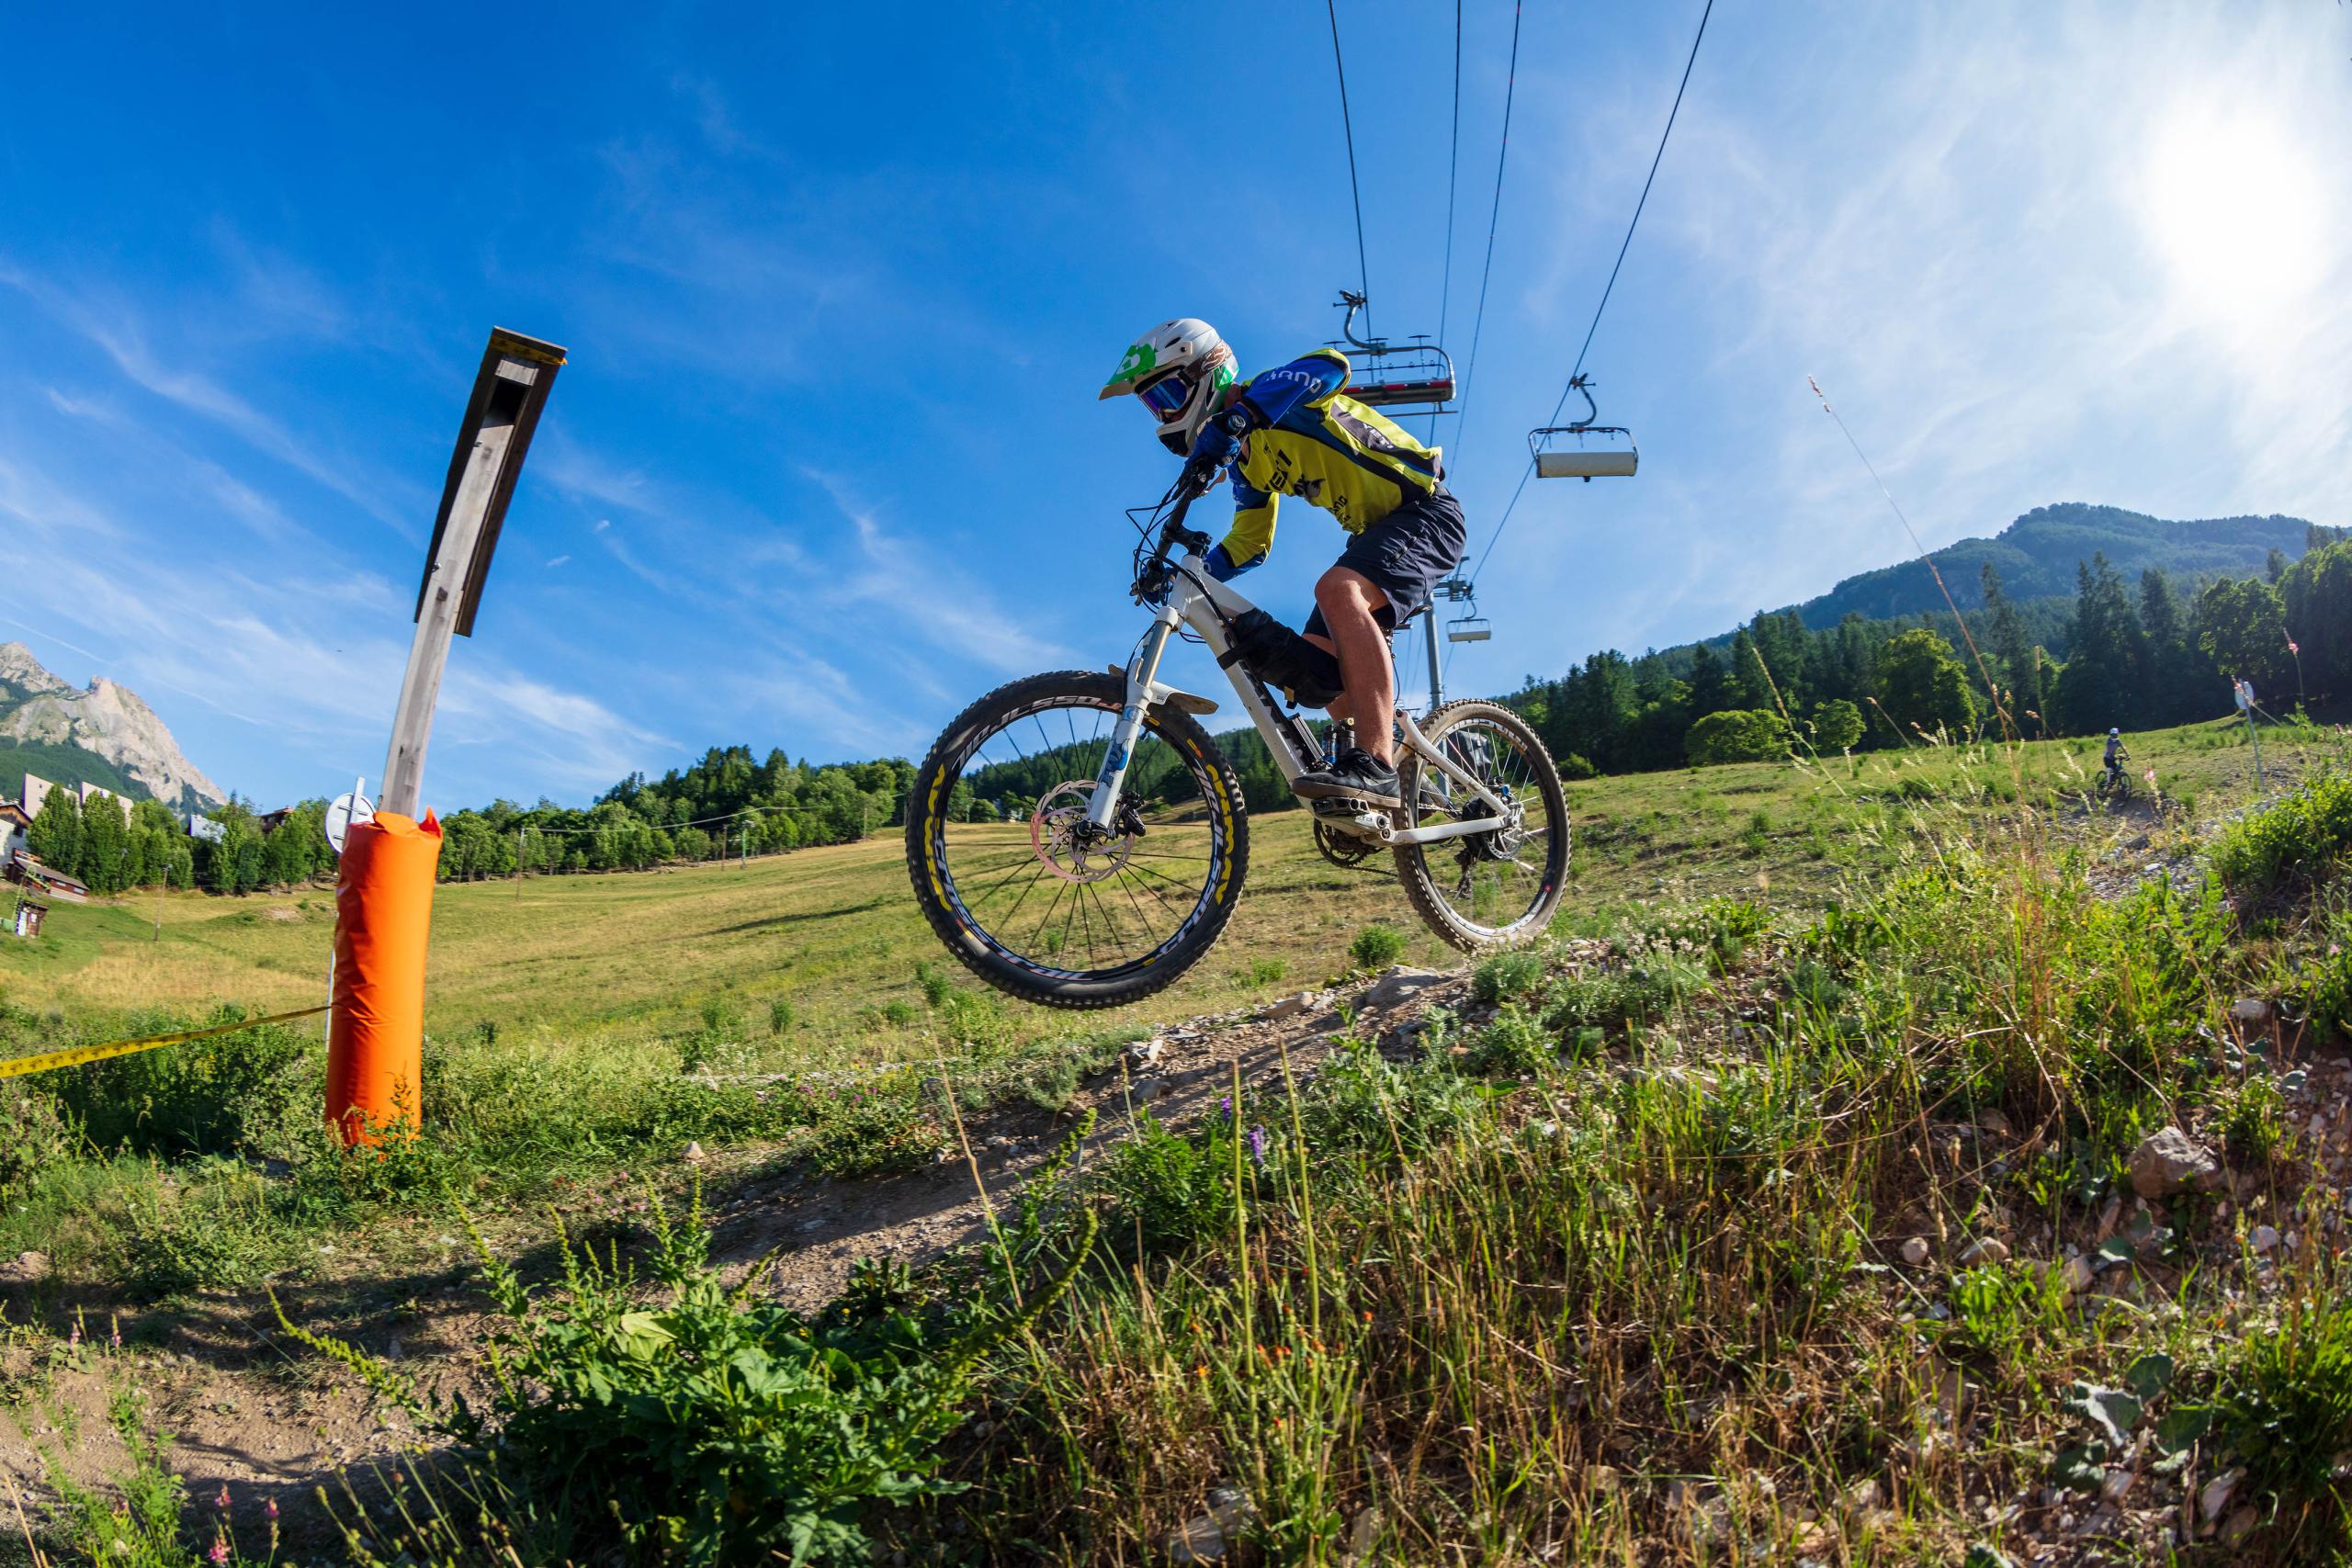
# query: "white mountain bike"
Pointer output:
{"type": "Point", "coordinates": [1102, 842]}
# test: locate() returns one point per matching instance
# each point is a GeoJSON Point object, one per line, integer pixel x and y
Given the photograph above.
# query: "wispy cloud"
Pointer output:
{"type": "Point", "coordinates": [117, 332]}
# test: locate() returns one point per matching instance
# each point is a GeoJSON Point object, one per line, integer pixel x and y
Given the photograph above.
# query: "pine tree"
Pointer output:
{"type": "Point", "coordinates": [2172, 683]}
{"type": "Point", "coordinates": [2018, 668]}
{"type": "Point", "coordinates": [1710, 685]}
{"type": "Point", "coordinates": [55, 837]}
{"type": "Point", "coordinates": [2107, 655]}
{"type": "Point", "coordinates": [106, 845]}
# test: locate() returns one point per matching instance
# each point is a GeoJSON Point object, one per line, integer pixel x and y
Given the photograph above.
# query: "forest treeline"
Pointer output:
{"type": "Point", "coordinates": [2136, 655]}
{"type": "Point", "coordinates": [2131, 655]}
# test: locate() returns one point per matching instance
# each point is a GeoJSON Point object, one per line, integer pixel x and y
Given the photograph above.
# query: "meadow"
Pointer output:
{"type": "Point", "coordinates": [1785, 1203]}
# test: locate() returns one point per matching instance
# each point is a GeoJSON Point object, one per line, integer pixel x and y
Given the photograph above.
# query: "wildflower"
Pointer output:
{"type": "Point", "coordinates": [221, 1502]}
{"type": "Point", "coordinates": [1258, 1146]}
{"type": "Point", "coordinates": [219, 1553]}
{"type": "Point", "coordinates": [1225, 1106]}
{"type": "Point", "coordinates": [1200, 1372]}
{"type": "Point", "coordinates": [75, 1337]}
{"type": "Point", "coordinates": [270, 1508]}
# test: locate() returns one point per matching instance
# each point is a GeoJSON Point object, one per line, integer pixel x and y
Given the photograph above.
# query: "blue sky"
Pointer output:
{"type": "Point", "coordinates": [840, 284]}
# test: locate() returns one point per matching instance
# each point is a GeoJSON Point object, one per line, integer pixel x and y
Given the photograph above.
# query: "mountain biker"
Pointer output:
{"type": "Point", "coordinates": [1293, 430]}
{"type": "Point", "coordinates": [2116, 754]}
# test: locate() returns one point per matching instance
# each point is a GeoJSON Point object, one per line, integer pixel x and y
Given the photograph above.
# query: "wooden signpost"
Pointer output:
{"type": "Point", "coordinates": [384, 885]}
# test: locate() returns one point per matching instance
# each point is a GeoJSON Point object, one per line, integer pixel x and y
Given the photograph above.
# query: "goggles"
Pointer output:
{"type": "Point", "coordinates": [1167, 396]}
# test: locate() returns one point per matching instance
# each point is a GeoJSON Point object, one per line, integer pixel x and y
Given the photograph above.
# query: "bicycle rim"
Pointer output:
{"type": "Point", "coordinates": [1042, 892]}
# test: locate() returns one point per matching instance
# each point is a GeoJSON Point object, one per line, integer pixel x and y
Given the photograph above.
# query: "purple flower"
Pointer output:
{"type": "Point", "coordinates": [1224, 1105]}
{"type": "Point", "coordinates": [1257, 1144]}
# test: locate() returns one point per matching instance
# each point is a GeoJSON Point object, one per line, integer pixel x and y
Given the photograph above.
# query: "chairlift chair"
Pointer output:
{"type": "Point", "coordinates": [1583, 460]}
{"type": "Point", "coordinates": [1470, 626]}
{"type": "Point", "coordinates": [1413, 374]}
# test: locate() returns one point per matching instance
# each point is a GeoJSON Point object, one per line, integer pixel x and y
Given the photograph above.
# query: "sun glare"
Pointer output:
{"type": "Point", "coordinates": [2235, 208]}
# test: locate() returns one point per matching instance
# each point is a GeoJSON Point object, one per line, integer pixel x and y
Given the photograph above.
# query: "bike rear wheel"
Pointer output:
{"type": "Point", "coordinates": [1496, 889]}
{"type": "Point", "coordinates": [1041, 906]}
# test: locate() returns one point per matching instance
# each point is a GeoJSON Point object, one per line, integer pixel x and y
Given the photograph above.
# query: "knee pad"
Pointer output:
{"type": "Point", "coordinates": [1308, 675]}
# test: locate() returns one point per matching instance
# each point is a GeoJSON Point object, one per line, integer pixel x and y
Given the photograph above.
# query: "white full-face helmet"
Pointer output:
{"type": "Point", "coordinates": [1181, 370]}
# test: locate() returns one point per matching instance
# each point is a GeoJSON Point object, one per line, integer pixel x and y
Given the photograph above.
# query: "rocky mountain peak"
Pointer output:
{"type": "Point", "coordinates": [109, 720]}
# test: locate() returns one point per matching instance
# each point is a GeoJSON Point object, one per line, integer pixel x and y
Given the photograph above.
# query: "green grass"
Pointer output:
{"type": "Point", "coordinates": [1611, 1261]}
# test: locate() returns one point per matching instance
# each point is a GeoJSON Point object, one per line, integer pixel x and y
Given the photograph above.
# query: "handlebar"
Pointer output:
{"type": "Point", "coordinates": [1152, 576]}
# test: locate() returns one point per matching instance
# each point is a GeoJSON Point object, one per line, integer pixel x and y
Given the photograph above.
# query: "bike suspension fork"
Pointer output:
{"type": "Point", "coordinates": [1143, 672]}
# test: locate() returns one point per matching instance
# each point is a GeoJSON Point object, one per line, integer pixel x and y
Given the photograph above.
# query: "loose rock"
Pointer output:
{"type": "Point", "coordinates": [694, 1155]}
{"type": "Point", "coordinates": [1205, 1537]}
{"type": "Point", "coordinates": [2250, 1009]}
{"type": "Point", "coordinates": [1915, 1251]}
{"type": "Point", "coordinates": [2262, 1238]}
{"type": "Point", "coordinates": [1289, 1007]}
{"type": "Point", "coordinates": [2169, 1160]}
{"type": "Point", "coordinates": [25, 1268]}
{"type": "Point", "coordinates": [1398, 986]}
{"type": "Point", "coordinates": [2214, 1500]}
{"type": "Point", "coordinates": [1985, 1249]}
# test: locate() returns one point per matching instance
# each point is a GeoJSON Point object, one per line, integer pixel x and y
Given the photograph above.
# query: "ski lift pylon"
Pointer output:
{"type": "Point", "coordinates": [1417, 373]}
{"type": "Point", "coordinates": [1583, 460]}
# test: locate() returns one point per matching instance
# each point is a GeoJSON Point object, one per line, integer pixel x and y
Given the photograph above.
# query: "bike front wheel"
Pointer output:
{"type": "Point", "coordinates": [1498, 889]}
{"type": "Point", "coordinates": [1027, 893]}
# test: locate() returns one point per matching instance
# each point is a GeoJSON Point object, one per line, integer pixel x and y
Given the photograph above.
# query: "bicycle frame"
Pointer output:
{"type": "Point", "coordinates": [1199, 601]}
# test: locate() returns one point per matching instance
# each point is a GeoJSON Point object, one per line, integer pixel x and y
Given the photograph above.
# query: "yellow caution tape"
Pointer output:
{"type": "Point", "coordinates": [80, 1054]}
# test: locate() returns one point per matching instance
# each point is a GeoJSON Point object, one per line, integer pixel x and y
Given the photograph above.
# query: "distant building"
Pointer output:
{"type": "Point", "coordinates": [86, 793]}
{"type": "Point", "coordinates": [204, 828]}
{"type": "Point", "coordinates": [14, 820]}
{"type": "Point", "coordinates": [270, 822]}
{"type": "Point", "coordinates": [28, 874]}
{"type": "Point", "coordinates": [36, 790]}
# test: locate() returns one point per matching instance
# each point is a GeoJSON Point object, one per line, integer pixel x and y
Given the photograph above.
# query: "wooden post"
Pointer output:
{"type": "Point", "coordinates": [428, 652]}
{"type": "Point", "coordinates": [384, 886]}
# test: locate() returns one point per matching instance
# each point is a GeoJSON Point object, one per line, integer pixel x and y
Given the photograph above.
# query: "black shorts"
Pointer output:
{"type": "Point", "coordinates": [1405, 554]}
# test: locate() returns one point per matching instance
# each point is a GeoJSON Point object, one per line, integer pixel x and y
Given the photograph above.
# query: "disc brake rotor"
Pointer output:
{"type": "Point", "coordinates": [1069, 846]}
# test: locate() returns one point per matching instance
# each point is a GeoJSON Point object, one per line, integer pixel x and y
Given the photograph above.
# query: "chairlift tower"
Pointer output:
{"type": "Point", "coordinates": [1468, 628]}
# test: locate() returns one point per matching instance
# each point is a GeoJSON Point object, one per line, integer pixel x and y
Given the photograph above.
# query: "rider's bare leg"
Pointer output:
{"type": "Point", "coordinates": [1349, 599]}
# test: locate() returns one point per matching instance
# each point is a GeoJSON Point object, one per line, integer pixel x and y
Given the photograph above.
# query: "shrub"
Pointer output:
{"type": "Point", "coordinates": [1514, 1044]}
{"type": "Point", "coordinates": [870, 1132]}
{"type": "Point", "coordinates": [1376, 947]}
{"type": "Point", "coordinates": [2253, 1120]}
{"type": "Point", "coordinates": [709, 1425]}
{"type": "Point", "coordinates": [898, 1014]}
{"type": "Point", "coordinates": [1737, 735]}
{"type": "Point", "coordinates": [933, 981]}
{"type": "Point", "coordinates": [209, 1238]}
{"type": "Point", "coordinates": [779, 1015]}
{"type": "Point", "coordinates": [34, 1134]}
{"type": "Point", "coordinates": [1167, 1190]}
{"type": "Point", "coordinates": [1360, 1100]}
{"type": "Point", "coordinates": [1640, 993]}
{"type": "Point", "coordinates": [2284, 1405]}
{"type": "Point", "coordinates": [2299, 836]}
{"type": "Point", "coordinates": [1506, 975]}
{"type": "Point", "coordinates": [257, 1089]}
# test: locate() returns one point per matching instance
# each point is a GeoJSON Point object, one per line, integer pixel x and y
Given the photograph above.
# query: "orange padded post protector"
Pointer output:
{"type": "Point", "coordinates": [383, 900]}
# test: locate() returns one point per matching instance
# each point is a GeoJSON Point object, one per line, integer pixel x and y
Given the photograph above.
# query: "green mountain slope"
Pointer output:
{"type": "Point", "coordinates": [63, 765]}
{"type": "Point", "coordinates": [2036, 557]}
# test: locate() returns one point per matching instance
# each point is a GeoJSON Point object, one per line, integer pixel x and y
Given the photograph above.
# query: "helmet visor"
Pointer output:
{"type": "Point", "coordinates": [1166, 395]}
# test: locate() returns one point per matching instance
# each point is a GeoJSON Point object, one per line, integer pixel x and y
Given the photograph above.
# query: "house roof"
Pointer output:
{"type": "Point", "coordinates": [22, 867]}
{"type": "Point", "coordinates": [13, 811]}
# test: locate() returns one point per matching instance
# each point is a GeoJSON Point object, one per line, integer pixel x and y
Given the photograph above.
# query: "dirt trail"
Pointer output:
{"type": "Point", "coordinates": [264, 1418]}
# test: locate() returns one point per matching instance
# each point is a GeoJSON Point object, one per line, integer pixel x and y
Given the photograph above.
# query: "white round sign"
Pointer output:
{"type": "Point", "coordinates": [342, 812]}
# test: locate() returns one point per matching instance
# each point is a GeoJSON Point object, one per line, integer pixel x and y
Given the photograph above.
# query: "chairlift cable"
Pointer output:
{"type": "Point", "coordinates": [1347, 126]}
{"type": "Point", "coordinates": [1453, 171]}
{"type": "Point", "coordinates": [1494, 220]}
{"type": "Point", "coordinates": [1610, 287]}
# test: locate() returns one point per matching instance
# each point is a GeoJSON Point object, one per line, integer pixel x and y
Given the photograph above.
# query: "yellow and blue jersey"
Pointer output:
{"type": "Point", "coordinates": [1306, 437]}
